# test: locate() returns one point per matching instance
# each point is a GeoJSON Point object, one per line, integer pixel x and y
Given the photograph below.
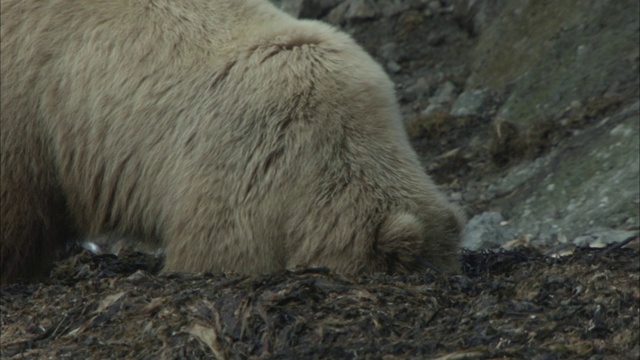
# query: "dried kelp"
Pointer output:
{"type": "Point", "coordinates": [513, 304]}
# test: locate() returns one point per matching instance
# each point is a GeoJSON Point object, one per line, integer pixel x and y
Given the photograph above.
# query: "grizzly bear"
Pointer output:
{"type": "Point", "coordinates": [238, 137]}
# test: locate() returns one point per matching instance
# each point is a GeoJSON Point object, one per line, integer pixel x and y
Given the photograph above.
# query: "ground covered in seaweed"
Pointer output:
{"type": "Point", "coordinates": [522, 303]}
{"type": "Point", "coordinates": [518, 303]}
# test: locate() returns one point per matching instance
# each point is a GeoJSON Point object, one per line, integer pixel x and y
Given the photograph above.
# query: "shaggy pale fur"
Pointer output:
{"type": "Point", "coordinates": [240, 138]}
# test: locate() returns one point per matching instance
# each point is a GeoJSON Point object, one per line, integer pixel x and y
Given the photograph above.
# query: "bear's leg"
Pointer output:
{"type": "Point", "coordinates": [33, 218]}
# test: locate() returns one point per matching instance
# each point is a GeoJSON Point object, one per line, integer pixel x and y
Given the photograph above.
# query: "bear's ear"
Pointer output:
{"type": "Point", "coordinates": [399, 242]}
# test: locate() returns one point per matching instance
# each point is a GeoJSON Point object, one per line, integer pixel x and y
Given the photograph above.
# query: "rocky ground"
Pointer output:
{"type": "Point", "coordinates": [526, 112]}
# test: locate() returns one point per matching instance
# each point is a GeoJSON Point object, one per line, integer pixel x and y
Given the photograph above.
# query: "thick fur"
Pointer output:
{"type": "Point", "coordinates": [240, 138]}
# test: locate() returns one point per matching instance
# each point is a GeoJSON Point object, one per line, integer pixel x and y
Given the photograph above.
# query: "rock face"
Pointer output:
{"type": "Point", "coordinates": [553, 53]}
{"type": "Point", "coordinates": [527, 109]}
{"type": "Point", "coordinates": [590, 180]}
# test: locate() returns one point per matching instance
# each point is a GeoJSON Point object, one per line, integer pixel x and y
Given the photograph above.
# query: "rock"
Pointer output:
{"type": "Point", "coordinates": [352, 11]}
{"type": "Point", "coordinates": [389, 52]}
{"type": "Point", "coordinates": [582, 51]}
{"type": "Point", "coordinates": [436, 39]}
{"type": "Point", "coordinates": [486, 230]}
{"type": "Point", "coordinates": [467, 15]}
{"type": "Point", "coordinates": [434, 6]}
{"type": "Point", "coordinates": [361, 10]}
{"type": "Point", "coordinates": [433, 108]}
{"type": "Point", "coordinates": [393, 67]}
{"type": "Point", "coordinates": [600, 237]}
{"type": "Point", "coordinates": [394, 7]}
{"type": "Point", "coordinates": [444, 94]}
{"type": "Point", "coordinates": [418, 90]}
{"type": "Point", "coordinates": [471, 102]}
{"type": "Point", "coordinates": [441, 99]}
{"type": "Point", "coordinates": [309, 9]}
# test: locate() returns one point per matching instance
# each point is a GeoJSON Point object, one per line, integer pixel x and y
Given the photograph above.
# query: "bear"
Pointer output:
{"type": "Point", "coordinates": [237, 137]}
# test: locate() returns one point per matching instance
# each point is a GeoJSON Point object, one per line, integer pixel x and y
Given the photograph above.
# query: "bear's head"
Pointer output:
{"type": "Point", "coordinates": [407, 242]}
{"type": "Point", "coordinates": [356, 198]}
